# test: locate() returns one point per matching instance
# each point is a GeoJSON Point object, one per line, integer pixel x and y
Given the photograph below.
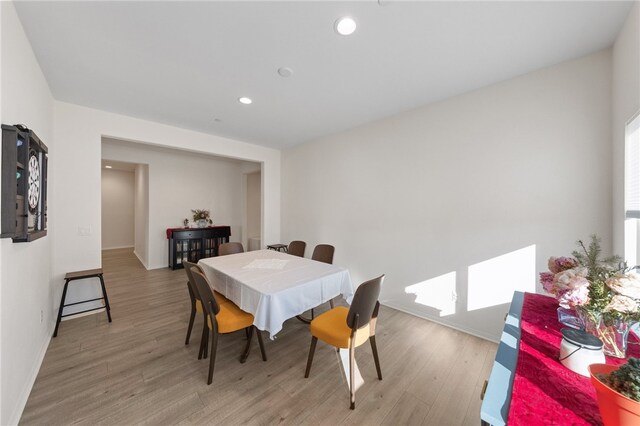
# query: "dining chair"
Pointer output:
{"type": "Point", "coordinates": [223, 319]}
{"type": "Point", "coordinates": [230, 248]}
{"type": "Point", "coordinates": [321, 253]}
{"type": "Point", "coordinates": [196, 300]}
{"type": "Point", "coordinates": [297, 248]}
{"type": "Point", "coordinates": [348, 328]}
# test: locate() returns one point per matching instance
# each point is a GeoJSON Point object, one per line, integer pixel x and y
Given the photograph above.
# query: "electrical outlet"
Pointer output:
{"type": "Point", "coordinates": [84, 231]}
{"type": "Point", "coordinates": [41, 316]}
{"type": "Point", "coordinates": [454, 296]}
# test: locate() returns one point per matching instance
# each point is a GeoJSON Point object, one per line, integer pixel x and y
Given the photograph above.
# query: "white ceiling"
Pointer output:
{"type": "Point", "coordinates": [186, 63]}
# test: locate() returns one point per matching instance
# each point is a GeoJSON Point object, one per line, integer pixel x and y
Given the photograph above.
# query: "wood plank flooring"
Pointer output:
{"type": "Point", "coordinates": [137, 370]}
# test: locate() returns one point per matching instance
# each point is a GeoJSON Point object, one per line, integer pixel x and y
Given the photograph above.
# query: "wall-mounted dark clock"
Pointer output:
{"type": "Point", "coordinates": [24, 184]}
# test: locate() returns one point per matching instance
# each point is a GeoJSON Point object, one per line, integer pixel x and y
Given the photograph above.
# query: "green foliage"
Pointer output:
{"type": "Point", "coordinates": [599, 270]}
{"type": "Point", "coordinates": [625, 380]}
{"type": "Point", "coordinates": [589, 257]}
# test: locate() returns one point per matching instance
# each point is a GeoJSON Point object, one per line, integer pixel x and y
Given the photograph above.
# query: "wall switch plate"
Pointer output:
{"type": "Point", "coordinates": [84, 231]}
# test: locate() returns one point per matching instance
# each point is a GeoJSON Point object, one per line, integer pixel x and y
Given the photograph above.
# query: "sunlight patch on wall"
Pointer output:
{"type": "Point", "coordinates": [493, 281]}
{"type": "Point", "coordinates": [438, 293]}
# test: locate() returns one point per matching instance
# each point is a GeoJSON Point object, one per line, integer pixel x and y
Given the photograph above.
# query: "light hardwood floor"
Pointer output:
{"type": "Point", "coordinates": [138, 370]}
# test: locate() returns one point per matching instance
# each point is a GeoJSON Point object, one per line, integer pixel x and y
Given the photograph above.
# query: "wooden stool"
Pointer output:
{"type": "Point", "coordinates": [278, 247]}
{"type": "Point", "coordinates": [80, 275]}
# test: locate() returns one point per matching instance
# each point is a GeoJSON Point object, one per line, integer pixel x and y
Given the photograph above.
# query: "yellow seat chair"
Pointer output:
{"type": "Point", "coordinates": [196, 300]}
{"type": "Point", "coordinates": [222, 319]}
{"type": "Point", "coordinates": [348, 328]}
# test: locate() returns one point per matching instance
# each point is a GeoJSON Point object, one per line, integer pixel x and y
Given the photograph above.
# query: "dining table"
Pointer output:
{"type": "Point", "coordinates": [275, 286]}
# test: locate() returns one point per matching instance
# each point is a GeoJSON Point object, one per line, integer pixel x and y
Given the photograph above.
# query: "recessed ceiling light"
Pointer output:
{"type": "Point", "coordinates": [345, 25]}
{"type": "Point", "coordinates": [108, 167]}
{"type": "Point", "coordinates": [245, 100]}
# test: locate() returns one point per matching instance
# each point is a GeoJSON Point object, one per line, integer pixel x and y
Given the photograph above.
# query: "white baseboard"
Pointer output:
{"type": "Point", "coordinates": [26, 391]}
{"type": "Point", "coordinates": [116, 247]}
{"type": "Point", "coordinates": [476, 333]}
{"type": "Point", "coordinates": [140, 259]}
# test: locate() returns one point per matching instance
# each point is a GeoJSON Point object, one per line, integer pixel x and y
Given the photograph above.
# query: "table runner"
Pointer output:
{"type": "Point", "coordinates": [545, 391]}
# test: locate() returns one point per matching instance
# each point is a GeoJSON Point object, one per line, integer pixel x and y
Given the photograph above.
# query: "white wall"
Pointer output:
{"type": "Point", "coordinates": [25, 283]}
{"type": "Point", "coordinates": [79, 132]}
{"type": "Point", "coordinates": [447, 199]}
{"type": "Point", "coordinates": [141, 249]}
{"type": "Point", "coordinates": [625, 103]}
{"type": "Point", "coordinates": [253, 205]}
{"type": "Point", "coordinates": [180, 181]}
{"type": "Point", "coordinates": [118, 196]}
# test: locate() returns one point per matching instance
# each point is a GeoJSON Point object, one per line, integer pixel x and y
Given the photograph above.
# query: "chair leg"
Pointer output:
{"type": "Point", "coordinates": [204, 343]}
{"type": "Point", "coordinates": [212, 361]}
{"type": "Point", "coordinates": [203, 338]}
{"type": "Point", "coordinates": [193, 317]}
{"type": "Point", "coordinates": [261, 343]}
{"type": "Point", "coordinates": [352, 377]}
{"type": "Point", "coordinates": [245, 354]}
{"type": "Point", "coordinates": [312, 349]}
{"type": "Point", "coordinates": [374, 349]}
{"type": "Point", "coordinates": [331, 303]}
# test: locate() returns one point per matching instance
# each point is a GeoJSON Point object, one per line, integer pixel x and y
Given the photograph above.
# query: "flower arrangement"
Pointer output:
{"type": "Point", "coordinates": [603, 291]}
{"type": "Point", "coordinates": [201, 214]}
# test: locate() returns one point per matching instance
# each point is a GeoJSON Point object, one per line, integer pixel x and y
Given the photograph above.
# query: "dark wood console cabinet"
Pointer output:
{"type": "Point", "coordinates": [193, 244]}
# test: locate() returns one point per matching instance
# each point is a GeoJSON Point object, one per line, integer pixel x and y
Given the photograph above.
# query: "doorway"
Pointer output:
{"type": "Point", "coordinates": [118, 205]}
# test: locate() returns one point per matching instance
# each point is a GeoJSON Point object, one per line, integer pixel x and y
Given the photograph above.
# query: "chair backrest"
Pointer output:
{"type": "Point", "coordinates": [297, 248]}
{"type": "Point", "coordinates": [230, 248]}
{"type": "Point", "coordinates": [191, 285]}
{"type": "Point", "coordinates": [364, 302]}
{"type": "Point", "coordinates": [323, 253]}
{"type": "Point", "coordinates": [208, 299]}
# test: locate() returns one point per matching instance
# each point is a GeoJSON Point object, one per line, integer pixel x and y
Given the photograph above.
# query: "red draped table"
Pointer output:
{"type": "Point", "coordinates": [544, 391]}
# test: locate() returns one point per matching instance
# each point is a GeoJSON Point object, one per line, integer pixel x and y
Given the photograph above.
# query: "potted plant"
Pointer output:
{"type": "Point", "coordinates": [618, 391]}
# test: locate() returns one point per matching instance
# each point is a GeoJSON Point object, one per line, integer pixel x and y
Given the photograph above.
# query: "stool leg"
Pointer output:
{"type": "Point", "coordinates": [106, 299]}
{"type": "Point", "coordinates": [64, 295]}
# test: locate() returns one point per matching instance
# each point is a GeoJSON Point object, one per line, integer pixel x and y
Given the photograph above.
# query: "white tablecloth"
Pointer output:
{"type": "Point", "coordinates": [275, 286]}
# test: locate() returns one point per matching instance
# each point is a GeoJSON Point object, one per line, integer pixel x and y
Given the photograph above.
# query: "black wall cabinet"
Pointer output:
{"type": "Point", "coordinates": [24, 185]}
{"type": "Point", "coordinates": [193, 244]}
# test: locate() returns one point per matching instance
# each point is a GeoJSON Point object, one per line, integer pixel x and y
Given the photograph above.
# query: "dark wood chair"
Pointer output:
{"type": "Point", "coordinates": [321, 253]}
{"type": "Point", "coordinates": [349, 328]}
{"type": "Point", "coordinates": [196, 301]}
{"type": "Point", "coordinates": [230, 248]}
{"type": "Point", "coordinates": [297, 248]}
{"type": "Point", "coordinates": [223, 319]}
